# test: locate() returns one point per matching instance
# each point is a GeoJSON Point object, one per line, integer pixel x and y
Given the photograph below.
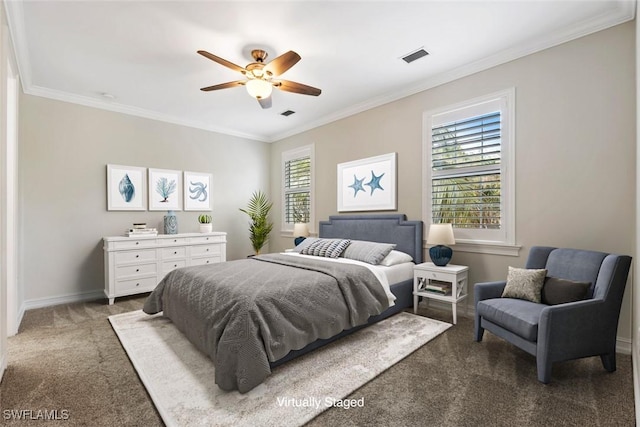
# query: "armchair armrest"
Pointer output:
{"type": "Point", "coordinates": [575, 329]}
{"type": "Point", "coordinates": [488, 290]}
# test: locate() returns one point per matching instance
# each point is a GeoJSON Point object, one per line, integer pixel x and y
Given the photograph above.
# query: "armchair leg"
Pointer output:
{"type": "Point", "coordinates": [544, 370]}
{"type": "Point", "coordinates": [609, 361]}
{"type": "Point", "coordinates": [478, 331]}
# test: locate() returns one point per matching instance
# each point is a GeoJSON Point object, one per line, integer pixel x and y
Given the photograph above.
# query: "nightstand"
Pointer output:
{"type": "Point", "coordinates": [447, 284]}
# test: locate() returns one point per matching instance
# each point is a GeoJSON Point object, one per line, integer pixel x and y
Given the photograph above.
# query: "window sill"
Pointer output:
{"type": "Point", "coordinates": [489, 248]}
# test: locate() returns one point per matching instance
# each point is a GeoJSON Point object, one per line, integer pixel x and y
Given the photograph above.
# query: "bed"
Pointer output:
{"type": "Point", "coordinates": [252, 315]}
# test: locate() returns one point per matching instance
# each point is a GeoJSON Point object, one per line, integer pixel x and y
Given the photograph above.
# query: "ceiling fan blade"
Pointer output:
{"type": "Point", "coordinates": [264, 102]}
{"type": "Point", "coordinates": [221, 61]}
{"type": "Point", "coordinates": [282, 63]}
{"type": "Point", "coordinates": [224, 85]}
{"type": "Point", "coordinates": [289, 86]}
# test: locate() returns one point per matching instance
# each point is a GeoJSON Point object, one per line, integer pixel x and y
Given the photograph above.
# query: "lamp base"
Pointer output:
{"type": "Point", "coordinates": [440, 255]}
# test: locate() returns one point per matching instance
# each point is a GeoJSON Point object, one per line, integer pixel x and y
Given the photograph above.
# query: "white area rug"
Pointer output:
{"type": "Point", "coordinates": [180, 379]}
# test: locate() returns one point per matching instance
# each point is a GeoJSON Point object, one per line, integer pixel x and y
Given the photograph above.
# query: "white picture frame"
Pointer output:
{"type": "Point", "coordinates": [368, 184]}
{"type": "Point", "coordinates": [165, 190]}
{"type": "Point", "coordinates": [197, 191]}
{"type": "Point", "coordinates": [126, 188]}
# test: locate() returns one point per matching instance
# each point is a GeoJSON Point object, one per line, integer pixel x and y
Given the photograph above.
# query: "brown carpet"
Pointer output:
{"type": "Point", "coordinates": [67, 358]}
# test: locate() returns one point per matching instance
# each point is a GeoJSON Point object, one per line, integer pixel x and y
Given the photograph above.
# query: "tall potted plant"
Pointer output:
{"type": "Point", "coordinates": [259, 228]}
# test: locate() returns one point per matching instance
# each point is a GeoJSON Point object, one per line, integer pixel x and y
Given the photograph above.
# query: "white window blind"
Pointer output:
{"type": "Point", "coordinates": [297, 186]}
{"type": "Point", "coordinates": [466, 183]}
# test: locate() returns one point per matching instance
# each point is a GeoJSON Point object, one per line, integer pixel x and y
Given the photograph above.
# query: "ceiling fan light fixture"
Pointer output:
{"type": "Point", "coordinates": [259, 89]}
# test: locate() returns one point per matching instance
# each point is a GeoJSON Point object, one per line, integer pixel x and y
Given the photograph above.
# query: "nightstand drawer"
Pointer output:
{"type": "Point", "coordinates": [135, 270]}
{"type": "Point", "coordinates": [167, 266]}
{"type": "Point", "coordinates": [135, 256]}
{"type": "Point", "coordinates": [206, 260]}
{"type": "Point", "coordinates": [208, 250]}
{"type": "Point", "coordinates": [177, 252]}
{"type": "Point", "coordinates": [136, 285]}
{"type": "Point", "coordinates": [436, 275]}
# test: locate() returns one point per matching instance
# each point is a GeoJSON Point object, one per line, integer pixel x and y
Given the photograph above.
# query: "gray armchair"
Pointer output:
{"type": "Point", "coordinates": [554, 333]}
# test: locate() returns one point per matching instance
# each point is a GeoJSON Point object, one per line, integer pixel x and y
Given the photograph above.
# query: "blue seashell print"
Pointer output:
{"type": "Point", "coordinates": [127, 189]}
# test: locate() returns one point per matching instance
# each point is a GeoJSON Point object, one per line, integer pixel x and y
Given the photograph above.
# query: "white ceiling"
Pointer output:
{"type": "Point", "coordinates": [143, 53]}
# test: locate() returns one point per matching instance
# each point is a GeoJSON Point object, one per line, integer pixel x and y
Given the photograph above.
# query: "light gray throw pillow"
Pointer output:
{"type": "Point", "coordinates": [369, 252]}
{"type": "Point", "coordinates": [524, 284]}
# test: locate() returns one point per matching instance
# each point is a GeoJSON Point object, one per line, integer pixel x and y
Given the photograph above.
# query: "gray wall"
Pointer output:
{"type": "Point", "coordinates": [63, 152]}
{"type": "Point", "coordinates": [575, 150]}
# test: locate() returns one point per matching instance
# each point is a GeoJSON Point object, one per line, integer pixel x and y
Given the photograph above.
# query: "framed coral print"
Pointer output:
{"type": "Point", "coordinates": [126, 188]}
{"type": "Point", "coordinates": [165, 190]}
{"type": "Point", "coordinates": [197, 191]}
{"type": "Point", "coordinates": [368, 184]}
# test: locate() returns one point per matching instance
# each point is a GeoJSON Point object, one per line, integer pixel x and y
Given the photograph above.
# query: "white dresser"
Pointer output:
{"type": "Point", "coordinates": [134, 265]}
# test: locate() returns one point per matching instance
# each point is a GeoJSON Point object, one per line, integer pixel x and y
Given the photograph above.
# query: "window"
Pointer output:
{"type": "Point", "coordinates": [297, 181]}
{"type": "Point", "coordinates": [468, 169]}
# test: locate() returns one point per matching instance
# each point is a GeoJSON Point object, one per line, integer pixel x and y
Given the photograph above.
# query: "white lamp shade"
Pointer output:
{"type": "Point", "coordinates": [300, 230]}
{"type": "Point", "coordinates": [259, 88]}
{"type": "Point", "coordinates": [441, 234]}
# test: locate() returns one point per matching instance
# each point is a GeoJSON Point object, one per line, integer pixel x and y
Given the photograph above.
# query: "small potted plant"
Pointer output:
{"type": "Point", "coordinates": [205, 223]}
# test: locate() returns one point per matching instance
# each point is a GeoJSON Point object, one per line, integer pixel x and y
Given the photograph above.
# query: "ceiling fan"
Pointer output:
{"type": "Point", "coordinates": [259, 76]}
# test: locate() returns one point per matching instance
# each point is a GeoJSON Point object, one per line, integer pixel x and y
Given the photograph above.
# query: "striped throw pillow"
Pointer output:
{"type": "Point", "coordinates": [328, 248]}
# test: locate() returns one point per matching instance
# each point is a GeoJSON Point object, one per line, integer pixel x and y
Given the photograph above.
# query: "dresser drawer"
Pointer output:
{"type": "Point", "coordinates": [208, 239]}
{"type": "Point", "coordinates": [135, 270]}
{"type": "Point", "coordinates": [206, 260]}
{"type": "Point", "coordinates": [134, 244]}
{"type": "Point", "coordinates": [144, 255]}
{"type": "Point", "coordinates": [135, 256]}
{"type": "Point", "coordinates": [167, 266]}
{"type": "Point", "coordinates": [175, 252]}
{"type": "Point", "coordinates": [136, 285]}
{"type": "Point", "coordinates": [174, 241]}
{"type": "Point", "coordinates": [208, 250]}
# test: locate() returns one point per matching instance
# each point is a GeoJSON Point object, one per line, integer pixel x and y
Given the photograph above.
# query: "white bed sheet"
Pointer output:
{"type": "Point", "coordinates": [386, 275]}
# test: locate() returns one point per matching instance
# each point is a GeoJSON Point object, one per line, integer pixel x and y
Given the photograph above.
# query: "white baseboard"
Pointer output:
{"type": "Point", "coordinates": [623, 345]}
{"type": "Point", "coordinates": [62, 299]}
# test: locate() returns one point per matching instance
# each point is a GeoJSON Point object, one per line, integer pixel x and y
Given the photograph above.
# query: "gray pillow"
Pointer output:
{"type": "Point", "coordinates": [369, 252]}
{"type": "Point", "coordinates": [560, 291]}
{"type": "Point", "coordinates": [328, 248]}
{"type": "Point", "coordinates": [524, 284]}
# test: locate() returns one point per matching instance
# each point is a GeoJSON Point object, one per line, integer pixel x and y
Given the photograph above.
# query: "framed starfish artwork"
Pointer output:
{"type": "Point", "coordinates": [197, 191]}
{"type": "Point", "coordinates": [368, 184]}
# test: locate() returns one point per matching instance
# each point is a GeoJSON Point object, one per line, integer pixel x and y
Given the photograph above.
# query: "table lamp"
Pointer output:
{"type": "Point", "coordinates": [440, 235]}
{"type": "Point", "coordinates": [300, 232]}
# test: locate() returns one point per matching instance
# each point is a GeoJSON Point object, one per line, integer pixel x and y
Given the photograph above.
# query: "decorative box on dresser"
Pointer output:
{"type": "Point", "coordinates": [134, 265]}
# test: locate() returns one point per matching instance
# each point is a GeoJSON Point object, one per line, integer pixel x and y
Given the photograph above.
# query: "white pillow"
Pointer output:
{"type": "Point", "coordinates": [396, 257]}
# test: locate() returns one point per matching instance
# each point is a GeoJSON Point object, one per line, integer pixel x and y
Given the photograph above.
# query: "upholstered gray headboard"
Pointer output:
{"type": "Point", "coordinates": [383, 228]}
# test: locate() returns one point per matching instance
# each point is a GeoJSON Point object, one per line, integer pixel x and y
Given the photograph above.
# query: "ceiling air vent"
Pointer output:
{"type": "Point", "coordinates": [420, 53]}
{"type": "Point", "coordinates": [287, 113]}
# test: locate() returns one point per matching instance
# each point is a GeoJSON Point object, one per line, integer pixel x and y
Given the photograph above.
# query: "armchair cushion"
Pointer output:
{"type": "Point", "coordinates": [558, 291]}
{"type": "Point", "coordinates": [524, 284]}
{"type": "Point", "coordinates": [519, 316]}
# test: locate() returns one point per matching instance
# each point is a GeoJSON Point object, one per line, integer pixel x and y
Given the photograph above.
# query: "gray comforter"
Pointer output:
{"type": "Point", "coordinates": [246, 313]}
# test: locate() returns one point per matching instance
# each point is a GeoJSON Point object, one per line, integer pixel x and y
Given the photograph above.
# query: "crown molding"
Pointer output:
{"type": "Point", "coordinates": [15, 16]}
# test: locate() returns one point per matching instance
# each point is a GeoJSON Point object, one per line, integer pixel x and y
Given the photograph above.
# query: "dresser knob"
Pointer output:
{"type": "Point", "coordinates": [137, 284]}
{"type": "Point", "coordinates": [207, 261]}
{"type": "Point", "coordinates": [207, 249]}
{"type": "Point", "coordinates": [137, 256]}
{"type": "Point", "coordinates": [175, 252]}
{"type": "Point", "coordinates": [175, 241]}
{"type": "Point", "coordinates": [137, 243]}
{"type": "Point", "coordinates": [137, 269]}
